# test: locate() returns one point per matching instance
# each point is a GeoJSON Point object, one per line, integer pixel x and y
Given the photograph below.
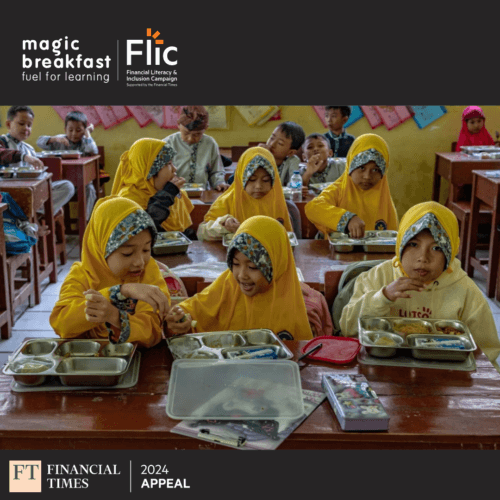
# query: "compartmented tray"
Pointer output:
{"type": "Point", "coordinates": [229, 345]}
{"type": "Point", "coordinates": [318, 187]}
{"type": "Point", "coordinates": [480, 149]}
{"type": "Point", "coordinates": [227, 238]}
{"type": "Point", "coordinates": [428, 339]}
{"type": "Point", "coordinates": [21, 172]}
{"type": "Point", "coordinates": [287, 192]}
{"type": "Point", "coordinates": [75, 362]}
{"type": "Point", "coordinates": [63, 153]}
{"type": "Point", "coordinates": [373, 241]}
{"type": "Point", "coordinates": [171, 242]}
{"type": "Point", "coordinates": [193, 189]}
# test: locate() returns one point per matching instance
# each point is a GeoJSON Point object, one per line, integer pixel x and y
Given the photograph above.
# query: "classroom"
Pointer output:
{"type": "Point", "coordinates": [392, 323]}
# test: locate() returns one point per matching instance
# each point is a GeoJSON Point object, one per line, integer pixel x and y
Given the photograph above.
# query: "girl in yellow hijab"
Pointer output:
{"type": "Point", "coordinates": [424, 280]}
{"type": "Point", "coordinates": [147, 175]}
{"type": "Point", "coordinates": [117, 290]}
{"type": "Point", "coordinates": [259, 290]}
{"type": "Point", "coordinates": [359, 199]}
{"type": "Point", "coordinates": [256, 190]}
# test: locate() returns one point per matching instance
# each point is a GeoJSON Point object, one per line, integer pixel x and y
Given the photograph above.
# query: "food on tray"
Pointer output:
{"type": "Point", "coordinates": [449, 330]}
{"type": "Point", "coordinates": [410, 328]}
{"type": "Point", "coordinates": [192, 186]}
{"type": "Point", "coordinates": [31, 367]}
{"type": "Point", "coordinates": [385, 341]}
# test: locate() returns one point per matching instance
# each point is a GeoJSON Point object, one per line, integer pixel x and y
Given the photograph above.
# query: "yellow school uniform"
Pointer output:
{"type": "Point", "coordinates": [68, 316]}
{"type": "Point", "coordinates": [331, 210]}
{"type": "Point", "coordinates": [222, 305]}
{"type": "Point", "coordinates": [131, 181]}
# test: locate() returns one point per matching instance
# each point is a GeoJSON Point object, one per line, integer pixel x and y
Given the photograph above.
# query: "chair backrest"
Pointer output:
{"type": "Point", "coordinates": [55, 167]}
{"type": "Point", "coordinates": [101, 154]}
{"type": "Point", "coordinates": [237, 151]}
{"type": "Point", "coordinates": [453, 146]}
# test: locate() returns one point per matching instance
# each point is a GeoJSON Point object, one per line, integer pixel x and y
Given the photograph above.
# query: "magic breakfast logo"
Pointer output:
{"type": "Point", "coordinates": [150, 62]}
{"type": "Point", "coordinates": [62, 60]}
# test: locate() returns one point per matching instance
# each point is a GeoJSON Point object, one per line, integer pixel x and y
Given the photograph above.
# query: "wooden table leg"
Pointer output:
{"type": "Point", "coordinates": [436, 185]}
{"type": "Point", "coordinates": [473, 227]}
{"type": "Point", "coordinates": [51, 243]}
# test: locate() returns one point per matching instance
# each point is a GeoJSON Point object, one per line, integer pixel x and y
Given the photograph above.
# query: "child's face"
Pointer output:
{"type": "Point", "coordinates": [20, 126]}
{"type": "Point", "coordinates": [129, 261]}
{"type": "Point", "coordinates": [248, 276]}
{"type": "Point", "coordinates": [190, 136]}
{"type": "Point", "coordinates": [422, 258]}
{"type": "Point", "coordinates": [166, 174]}
{"type": "Point", "coordinates": [259, 184]}
{"type": "Point", "coordinates": [74, 131]}
{"type": "Point", "coordinates": [474, 125]}
{"type": "Point", "coordinates": [317, 146]}
{"type": "Point", "coordinates": [280, 145]}
{"type": "Point", "coordinates": [367, 176]}
{"type": "Point", "coordinates": [335, 120]}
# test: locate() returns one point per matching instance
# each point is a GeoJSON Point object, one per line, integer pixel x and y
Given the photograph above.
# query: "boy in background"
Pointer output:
{"type": "Point", "coordinates": [20, 122]}
{"type": "Point", "coordinates": [340, 141]}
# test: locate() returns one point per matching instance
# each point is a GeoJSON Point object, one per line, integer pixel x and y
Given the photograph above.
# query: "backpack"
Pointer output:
{"type": "Point", "coordinates": [346, 288]}
{"type": "Point", "coordinates": [20, 235]}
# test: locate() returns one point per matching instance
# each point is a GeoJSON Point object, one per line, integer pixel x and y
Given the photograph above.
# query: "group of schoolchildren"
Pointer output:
{"type": "Point", "coordinates": [119, 291]}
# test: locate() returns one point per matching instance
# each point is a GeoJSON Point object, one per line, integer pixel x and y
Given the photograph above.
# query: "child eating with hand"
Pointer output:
{"type": "Point", "coordinates": [259, 290]}
{"type": "Point", "coordinates": [256, 190]}
{"type": "Point", "coordinates": [117, 290]}
{"type": "Point", "coordinates": [424, 280]}
{"type": "Point", "coordinates": [360, 198]}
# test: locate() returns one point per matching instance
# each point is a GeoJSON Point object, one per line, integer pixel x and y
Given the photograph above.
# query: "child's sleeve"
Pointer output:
{"type": "Point", "coordinates": [324, 213]}
{"type": "Point", "coordinates": [212, 230]}
{"type": "Point", "coordinates": [215, 168]}
{"type": "Point", "coordinates": [159, 204]}
{"type": "Point", "coordinates": [43, 142]}
{"type": "Point", "coordinates": [8, 156]}
{"type": "Point", "coordinates": [367, 299]}
{"type": "Point", "coordinates": [89, 146]}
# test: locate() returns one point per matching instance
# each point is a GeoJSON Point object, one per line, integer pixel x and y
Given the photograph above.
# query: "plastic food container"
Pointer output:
{"type": "Point", "coordinates": [171, 242]}
{"type": "Point", "coordinates": [234, 390]}
{"type": "Point", "coordinates": [193, 190]}
{"type": "Point", "coordinates": [339, 350]}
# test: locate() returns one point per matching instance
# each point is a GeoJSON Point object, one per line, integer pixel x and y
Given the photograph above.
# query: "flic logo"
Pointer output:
{"type": "Point", "coordinates": [25, 476]}
{"type": "Point", "coordinates": [155, 52]}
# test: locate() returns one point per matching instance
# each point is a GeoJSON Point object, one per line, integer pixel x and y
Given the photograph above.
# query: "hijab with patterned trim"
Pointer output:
{"type": "Point", "coordinates": [439, 220]}
{"type": "Point", "coordinates": [134, 180]}
{"type": "Point", "coordinates": [237, 202]}
{"type": "Point", "coordinates": [223, 306]}
{"type": "Point", "coordinates": [466, 138]}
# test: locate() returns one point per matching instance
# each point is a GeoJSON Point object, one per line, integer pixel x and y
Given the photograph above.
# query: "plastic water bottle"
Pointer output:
{"type": "Point", "coordinates": [295, 185]}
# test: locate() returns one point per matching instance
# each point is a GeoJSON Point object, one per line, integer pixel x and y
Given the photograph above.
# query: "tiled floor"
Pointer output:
{"type": "Point", "coordinates": [34, 321]}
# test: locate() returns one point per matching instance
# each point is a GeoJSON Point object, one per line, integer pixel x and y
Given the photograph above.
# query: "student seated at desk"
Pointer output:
{"type": "Point", "coordinates": [76, 137]}
{"type": "Point", "coordinates": [360, 199]}
{"type": "Point", "coordinates": [473, 131]}
{"type": "Point", "coordinates": [340, 141]}
{"type": "Point", "coordinates": [117, 290]}
{"type": "Point", "coordinates": [197, 157]}
{"type": "Point", "coordinates": [260, 289]}
{"type": "Point", "coordinates": [256, 190]}
{"type": "Point", "coordinates": [424, 280]}
{"type": "Point", "coordinates": [147, 175]}
{"type": "Point", "coordinates": [20, 122]}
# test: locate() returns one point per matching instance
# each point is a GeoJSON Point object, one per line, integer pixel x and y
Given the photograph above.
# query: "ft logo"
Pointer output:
{"type": "Point", "coordinates": [25, 476]}
{"type": "Point", "coordinates": [155, 52]}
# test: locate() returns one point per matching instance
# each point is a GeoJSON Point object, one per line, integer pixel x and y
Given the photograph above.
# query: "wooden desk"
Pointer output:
{"type": "Point", "coordinates": [429, 409]}
{"type": "Point", "coordinates": [5, 314]}
{"type": "Point", "coordinates": [457, 169]}
{"type": "Point", "coordinates": [31, 195]}
{"type": "Point", "coordinates": [487, 190]}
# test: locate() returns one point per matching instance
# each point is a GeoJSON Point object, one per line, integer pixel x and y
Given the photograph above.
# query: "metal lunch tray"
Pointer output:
{"type": "Point", "coordinates": [287, 192]}
{"type": "Point", "coordinates": [478, 149]}
{"type": "Point", "coordinates": [63, 153]}
{"type": "Point", "coordinates": [193, 190]}
{"type": "Point", "coordinates": [373, 241]}
{"type": "Point", "coordinates": [222, 345]}
{"type": "Point", "coordinates": [16, 173]}
{"type": "Point", "coordinates": [76, 362]}
{"type": "Point", "coordinates": [317, 188]}
{"type": "Point", "coordinates": [227, 238]}
{"type": "Point", "coordinates": [382, 337]}
{"type": "Point", "coordinates": [171, 242]}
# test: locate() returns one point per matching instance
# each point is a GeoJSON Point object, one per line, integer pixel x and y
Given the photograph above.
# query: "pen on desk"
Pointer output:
{"type": "Point", "coordinates": [315, 348]}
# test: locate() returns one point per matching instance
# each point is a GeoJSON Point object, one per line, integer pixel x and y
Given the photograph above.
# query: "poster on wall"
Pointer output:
{"type": "Point", "coordinates": [392, 116]}
{"type": "Point", "coordinates": [91, 114]}
{"type": "Point", "coordinates": [141, 116]}
{"type": "Point", "coordinates": [372, 116]}
{"type": "Point", "coordinates": [424, 115]}
{"type": "Point", "coordinates": [217, 117]}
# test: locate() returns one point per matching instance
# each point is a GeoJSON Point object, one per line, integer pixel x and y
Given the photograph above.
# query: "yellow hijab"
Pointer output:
{"type": "Point", "coordinates": [131, 181]}
{"type": "Point", "coordinates": [222, 306]}
{"type": "Point", "coordinates": [237, 202]}
{"type": "Point", "coordinates": [449, 240]}
{"type": "Point", "coordinates": [374, 204]}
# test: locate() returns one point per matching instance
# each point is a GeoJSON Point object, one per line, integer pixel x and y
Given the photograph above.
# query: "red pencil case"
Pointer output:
{"type": "Point", "coordinates": [340, 350]}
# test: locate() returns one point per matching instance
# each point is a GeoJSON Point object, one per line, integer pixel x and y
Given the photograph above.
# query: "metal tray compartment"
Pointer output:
{"type": "Point", "coordinates": [193, 190]}
{"type": "Point", "coordinates": [76, 362]}
{"type": "Point", "coordinates": [7, 172]}
{"type": "Point", "coordinates": [29, 173]}
{"type": "Point", "coordinates": [373, 241]}
{"type": "Point", "coordinates": [433, 339]}
{"type": "Point", "coordinates": [318, 187]}
{"type": "Point", "coordinates": [171, 242]}
{"type": "Point", "coordinates": [63, 153]}
{"type": "Point", "coordinates": [227, 238]}
{"type": "Point", "coordinates": [218, 345]}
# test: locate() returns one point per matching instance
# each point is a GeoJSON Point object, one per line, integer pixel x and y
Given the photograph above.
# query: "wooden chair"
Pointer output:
{"type": "Point", "coordinates": [5, 314]}
{"type": "Point", "coordinates": [332, 280]}
{"type": "Point", "coordinates": [454, 146]}
{"type": "Point", "coordinates": [237, 151]}
{"type": "Point", "coordinates": [101, 192]}
{"type": "Point", "coordinates": [21, 280]}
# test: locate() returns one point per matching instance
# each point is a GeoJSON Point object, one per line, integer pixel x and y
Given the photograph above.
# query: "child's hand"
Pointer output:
{"type": "Point", "coordinates": [34, 161]}
{"type": "Point", "coordinates": [314, 163]}
{"type": "Point", "coordinates": [305, 191]}
{"type": "Point", "coordinates": [178, 322]}
{"type": "Point", "coordinates": [62, 140]}
{"type": "Point", "coordinates": [98, 309]}
{"type": "Point", "coordinates": [148, 293]}
{"type": "Point", "coordinates": [89, 130]}
{"type": "Point", "coordinates": [178, 181]}
{"type": "Point", "coordinates": [399, 288]}
{"type": "Point", "coordinates": [222, 187]}
{"type": "Point", "coordinates": [231, 224]}
{"type": "Point", "coordinates": [356, 227]}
